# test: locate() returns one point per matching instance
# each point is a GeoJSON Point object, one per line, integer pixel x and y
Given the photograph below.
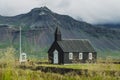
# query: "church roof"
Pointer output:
{"type": "Point", "coordinates": [81, 45]}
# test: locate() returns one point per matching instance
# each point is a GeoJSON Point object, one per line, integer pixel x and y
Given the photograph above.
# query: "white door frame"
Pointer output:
{"type": "Point", "coordinates": [55, 57]}
{"type": "Point", "coordinates": [23, 57]}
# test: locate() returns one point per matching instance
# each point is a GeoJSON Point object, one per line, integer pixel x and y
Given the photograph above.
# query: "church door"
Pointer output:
{"type": "Point", "coordinates": [55, 55]}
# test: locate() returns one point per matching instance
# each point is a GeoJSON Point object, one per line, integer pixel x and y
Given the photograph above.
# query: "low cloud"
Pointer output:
{"type": "Point", "coordinates": [92, 11]}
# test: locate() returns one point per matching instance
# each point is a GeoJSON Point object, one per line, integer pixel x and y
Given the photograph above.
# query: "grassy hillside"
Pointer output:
{"type": "Point", "coordinates": [38, 52]}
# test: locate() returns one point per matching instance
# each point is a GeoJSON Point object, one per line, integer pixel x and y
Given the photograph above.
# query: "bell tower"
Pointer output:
{"type": "Point", "coordinates": [57, 35]}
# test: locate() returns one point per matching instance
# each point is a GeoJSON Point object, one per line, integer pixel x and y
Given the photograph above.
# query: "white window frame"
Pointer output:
{"type": "Point", "coordinates": [80, 56]}
{"type": "Point", "coordinates": [55, 61]}
{"type": "Point", "coordinates": [70, 55]}
{"type": "Point", "coordinates": [90, 56]}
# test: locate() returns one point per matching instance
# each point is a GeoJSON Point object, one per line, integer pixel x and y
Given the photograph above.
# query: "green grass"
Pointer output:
{"type": "Point", "coordinates": [93, 67]}
{"type": "Point", "coordinates": [19, 74]}
{"type": "Point", "coordinates": [9, 70]}
{"type": "Point", "coordinates": [109, 53]}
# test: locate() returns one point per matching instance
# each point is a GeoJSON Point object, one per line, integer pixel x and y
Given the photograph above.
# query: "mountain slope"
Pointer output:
{"type": "Point", "coordinates": [39, 25]}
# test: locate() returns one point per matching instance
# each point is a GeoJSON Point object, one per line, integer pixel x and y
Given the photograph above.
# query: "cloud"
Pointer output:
{"type": "Point", "coordinates": [92, 11]}
{"type": "Point", "coordinates": [14, 7]}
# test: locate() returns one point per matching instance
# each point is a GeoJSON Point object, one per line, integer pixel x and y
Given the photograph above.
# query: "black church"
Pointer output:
{"type": "Point", "coordinates": [71, 50]}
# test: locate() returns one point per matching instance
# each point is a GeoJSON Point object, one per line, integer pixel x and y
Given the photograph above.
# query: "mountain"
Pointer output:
{"type": "Point", "coordinates": [38, 28]}
{"type": "Point", "coordinates": [109, 25]}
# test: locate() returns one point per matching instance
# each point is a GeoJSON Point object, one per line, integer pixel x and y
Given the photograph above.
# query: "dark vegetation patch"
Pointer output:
{"type": "Point", "coordinates": [61, 70]}
{"type": "Point", "coordinates": [64, 71]}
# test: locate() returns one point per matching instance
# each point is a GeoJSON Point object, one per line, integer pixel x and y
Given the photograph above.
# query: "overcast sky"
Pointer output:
{"type": "Point", "coordinates": [92, 11]}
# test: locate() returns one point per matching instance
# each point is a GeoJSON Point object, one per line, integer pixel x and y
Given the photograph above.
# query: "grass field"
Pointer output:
{"type": "Point", "coordinates": [93, 67]}
{"type": "Point", "coordinates": [14, 73]}
{"type": "Point", "coordinates": [19, 74]}
{"type": "Point", "coordinates": [9, 69]}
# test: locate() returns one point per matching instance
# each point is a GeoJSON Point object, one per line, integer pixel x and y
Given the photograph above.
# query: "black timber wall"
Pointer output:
{"type": "Point", "coordinates": [55, 46]}
{"type": "Point", "coordinates": [76, 57]}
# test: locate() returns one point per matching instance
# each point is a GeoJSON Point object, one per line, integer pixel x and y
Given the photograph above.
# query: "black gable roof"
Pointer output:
{"type": "Point", "coordinates": [81, 45]}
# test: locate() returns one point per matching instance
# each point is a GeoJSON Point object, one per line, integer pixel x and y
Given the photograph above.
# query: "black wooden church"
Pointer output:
{"type": "Point", "coordinates": [71, 50]}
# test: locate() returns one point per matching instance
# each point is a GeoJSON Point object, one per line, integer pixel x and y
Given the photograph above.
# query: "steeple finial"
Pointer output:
{"type": "Point", "coordinates": [57, 34]}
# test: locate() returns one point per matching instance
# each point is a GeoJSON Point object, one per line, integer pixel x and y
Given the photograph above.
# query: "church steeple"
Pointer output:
{"type": "Point", "coordinates": [57, 35]}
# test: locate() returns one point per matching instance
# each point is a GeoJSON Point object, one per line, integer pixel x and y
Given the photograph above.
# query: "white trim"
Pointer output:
{"type": "Point", "coordinates": [55, 57]}
{"type": "Point", "coordinates": [80, 56]}
{"type": "Point", "coordinates": [20, 58]}
{"type": "Point", "coordinates": [70, 55]}
{"type": "Point", "coordinates": [23, 57]}
{"type": "Point", "coordinates": [90, 56]}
